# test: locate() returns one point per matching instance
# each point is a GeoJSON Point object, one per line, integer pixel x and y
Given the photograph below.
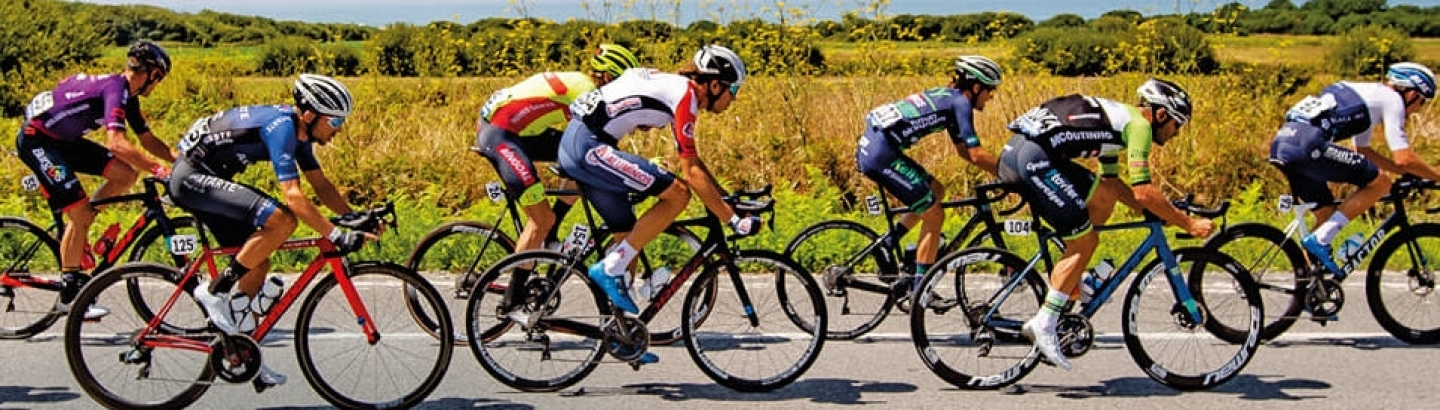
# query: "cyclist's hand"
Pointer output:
{"type": "Point", "coordinates": [1200, 227]}
{"type": "Point", "coordinates": [745, 226]}
{"type": "Point", "coordinates": [160, 171]}
{"type": "Point", "coordinates": [346, 240]}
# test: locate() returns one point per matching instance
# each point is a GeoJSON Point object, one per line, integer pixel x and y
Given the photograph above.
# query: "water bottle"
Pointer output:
{"type": "Point", "coordinates": [106, 241]}
{"type": "Point", "coordinates": [1094, 278]}
{"type": "Point", "coordinates": [1351, 246]}
{"type": "Point", "coordinates": [240, 312]}
{"type": "Point", "coordinates": [269, 293]}
{"type": "Point", "coordinates": [657, 281]}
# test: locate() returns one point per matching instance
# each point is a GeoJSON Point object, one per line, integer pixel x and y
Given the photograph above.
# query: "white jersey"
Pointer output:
{"type": "Point", "coordinates": [1386, 107]}
{"type": "Point", "coordinates": [641, 99]}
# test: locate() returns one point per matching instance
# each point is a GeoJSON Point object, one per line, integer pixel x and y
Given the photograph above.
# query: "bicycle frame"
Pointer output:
{"type": "Point", "coordinates": [984, 219]}
{"type": "Point", "coordinates": [1397, 220]}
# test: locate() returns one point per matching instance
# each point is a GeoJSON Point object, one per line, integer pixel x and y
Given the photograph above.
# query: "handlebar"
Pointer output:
{"type": "Point", "coordinates": [369, 220]}
{"type": "Point", "coordinates": [748, 202]}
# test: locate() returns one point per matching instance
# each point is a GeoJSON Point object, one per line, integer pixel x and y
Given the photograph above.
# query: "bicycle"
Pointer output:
{"type": "Point", "coordinates": [464, 249]}
{"type": "Point", "coordinates": [566, 324]}
{"type": "Point", "coordinates": [1303, 285]}
{"type": "Point", "coordinates": [1165, 323]}
{"type": "Point", "coordinates": [30, 256]}
{"type": "Point", "coordinates": [345, 338]}
{"type": "Point", "coordinates": [861, 267]}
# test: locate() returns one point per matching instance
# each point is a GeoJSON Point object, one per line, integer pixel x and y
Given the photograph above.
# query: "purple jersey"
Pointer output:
{"type": "Point", "coordinates": [84, 103]}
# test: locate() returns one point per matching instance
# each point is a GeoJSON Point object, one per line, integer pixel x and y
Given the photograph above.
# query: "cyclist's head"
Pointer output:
{"type": "Point", "coordinates": [613, 59]}
{"type": "Point", "coordinates": [1157, 94]}
{"type": "Point", "coordinates": [149, 59]}
{"type": "Point", "coordinates": [327, 98]}
{"type": "Point", "coordinates": [974, 69]}
{"type": "Point", "coordinates": [722, 64]}
{"type": "Point", "coordinates": [1412, 76]}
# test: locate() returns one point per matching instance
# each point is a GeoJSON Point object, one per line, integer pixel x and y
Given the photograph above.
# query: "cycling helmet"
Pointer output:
{"type": "Point", "coordinates": [1168, 95]}
{"type": "Point", "coordinates": [721, 62]}
{"type": "Point", "coordinates": [322, 94]}
{"type": "Point", "coordinates": [149, 55]}
{"type": "Point", "coordinates": [978, 69]}
{"type": "Point", "coordinates": [1412, 75]}
{"type": "Point", "coordinates": [613, 59]}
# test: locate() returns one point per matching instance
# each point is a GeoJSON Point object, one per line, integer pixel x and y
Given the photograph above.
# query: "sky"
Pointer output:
{"type": "Point", "coordinates": [381, 12]}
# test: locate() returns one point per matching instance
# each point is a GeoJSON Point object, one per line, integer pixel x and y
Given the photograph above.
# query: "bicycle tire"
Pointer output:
{"type": "Point", "coordinates": [326, 329]}
{"type": "Point", "coordinates": [1411, 280]}
{"type": "Point", "coordinates": [27, 250]}
{"type": "Point", "coordinates": [963, 357]}
{"type": "Point", "coordinates": [825, 246]}
{"type": "Point", "coordinates": [460, 250]}
{"type": "Point", "coordinates": [1276, 263]}
{"type": "Point", "coordinates": [92, 347]}
{"type": "Point", "coordinates": [1149, 318]}
{"type": "Point", "coordinates": [145, 250]}
{"type": "Point", "coordinates": [733, 361]}
{"type": "Point", "coordinates": [574, 314]}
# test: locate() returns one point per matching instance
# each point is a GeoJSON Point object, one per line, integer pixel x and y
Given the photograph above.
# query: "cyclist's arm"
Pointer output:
{"type": "Point", "coordinates": [978, 156]}
{"type": "Point", "coordinates": [1406, 162]}
{"type": "Point", "coordinates": [326, 191]}
{"type": "Point", "coordinates": [156, 147]}
{"type": "Point", "coordinates": [304, 210]}
{"type": "Point", "coordinates": [116, 141]}
{"type": "Point", "coordinates": [1149, 196]}
{"type": "Point", "coordinates": [704, 185]}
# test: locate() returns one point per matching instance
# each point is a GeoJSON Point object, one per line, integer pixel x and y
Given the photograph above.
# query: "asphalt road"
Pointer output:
{"type": "Point", "coordinates": [1348, 364]}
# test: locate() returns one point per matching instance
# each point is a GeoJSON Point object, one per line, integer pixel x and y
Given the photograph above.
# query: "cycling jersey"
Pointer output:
{"type": "Point", "coordinates": [1077, 126]}
{"type": "Point", "coordinates": [642, 99]}
{"type": "Point", "coordinates": [535, 104]}
{"type": "Point", "coordinates": [226, 143]}
{"type": "Point", "coordinates": [906, 121]}
{"type": "Point", "coordinates": [84, 103]}
{"type": "Point", "coordinates": [1345, 110]}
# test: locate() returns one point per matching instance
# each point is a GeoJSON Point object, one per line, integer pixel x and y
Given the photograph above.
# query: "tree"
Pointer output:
{"type": "Point", "coordinates": [1064, 20]}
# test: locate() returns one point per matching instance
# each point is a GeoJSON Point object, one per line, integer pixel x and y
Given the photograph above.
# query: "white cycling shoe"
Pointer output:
{"type": "Point", "coordinates": [1046, 340]}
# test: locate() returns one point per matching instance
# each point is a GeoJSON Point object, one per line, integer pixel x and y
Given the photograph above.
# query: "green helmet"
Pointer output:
{"type": "Point", "coordinates": [613, 59]}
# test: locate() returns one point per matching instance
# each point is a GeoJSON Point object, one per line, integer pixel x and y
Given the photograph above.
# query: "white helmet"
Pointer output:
{"type": "Point", "coordinates": [323, 94]}
{"type": "Point", "coordinates": [722, 62]}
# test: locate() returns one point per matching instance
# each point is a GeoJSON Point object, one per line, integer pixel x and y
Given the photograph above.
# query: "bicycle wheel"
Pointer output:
{"type": "Point", "coordinates": [861, 297]}
{"type": "Point", "coordinates": [565, 344]}
{"type": "Point", "coordinates": [1173, 349]}
{"type": "Point", "coordinates": [155, 377]}
{"type": "Point", "coordinates": [154, 246]}
{"type": "Point", "coordinates": [751, 340]}
{"type": "Point", "coordinates": [1400, 284]}
{"type": "Point", "coordinates": [30, 264]}
{"type": "Point", "coordinates": [979, 346]}
{"type": "Point", "coordinates": [459, 251]}
{"type": "Point", "coordinates": [396, 368]}
{"type": "Point", "coordinates": [672, 249]}
{"type": "Point", "coordinates": [1275, 262]}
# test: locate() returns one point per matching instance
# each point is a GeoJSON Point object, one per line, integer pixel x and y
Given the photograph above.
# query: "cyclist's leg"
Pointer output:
{"type": "Point", "coordinates": [882, 162]}
{"type": "Point", "coordinates": [1339, 164]}
{"type": "Point", "coordinates": [56, 165]}
{"type": "Point", "coordinates": [507, 155]}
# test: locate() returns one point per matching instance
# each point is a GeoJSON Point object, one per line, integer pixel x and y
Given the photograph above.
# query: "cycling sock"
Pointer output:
{"type": "Point", "coordinates": [1327, 231]}
{"type": "Point", "coordinates": [226, 280]}
{"type": "Point", "coordinates": [920, 269]}
{"type": "Point", "coordinates": [1054, 304]}
{"type": "Point", "coordinates": [618, 259]}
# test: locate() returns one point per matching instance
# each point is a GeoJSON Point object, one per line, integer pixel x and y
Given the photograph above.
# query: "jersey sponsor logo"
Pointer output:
{"type": "Point", "coordinates": [1045, 189]}
{"type": "Point", "coordinates": [269, 128]}
{"type": "Point", "coordinates": [917, 100]}
{"type": "Point", "coordinates": [1139, 164]}
{"type": "Point", "coordinates": [1073, 136]}
{"type": "Point", "coordinates": [55, 119]}
{"type": "Point", "coordinates": [1087, 116]}
{"type": "Point", "coordinates": [635, 177]}
{"type": "Point", "coordinates": [516, 163]}
{"type": "Point", "coordinates": [70, 95]}
{"type": "Point", "coordinates": [688, 130]}
{"type": "Point", "coordinates": [618, 107]}
{"type": "Point", "coordinates": [1037, 165]}
{"type": "Point", "coordinates": [55, 173]}
{"type": "Point", "coordinates": [1342, 156]}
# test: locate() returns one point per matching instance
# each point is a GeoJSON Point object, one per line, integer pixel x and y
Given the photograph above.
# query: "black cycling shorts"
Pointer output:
{"type": "Point", "coordinates": [55, 163]}
{"type": "Point", "coordinates": [1057, 188]}
{"type": "Point", "coordinates": [896, 173]}
{"type": "Point", "coordinates": [231, 211]}
{"type": "Point", "coordinates": [514, 156]}
{"type": "Point", "coordinates": [1309, 160]}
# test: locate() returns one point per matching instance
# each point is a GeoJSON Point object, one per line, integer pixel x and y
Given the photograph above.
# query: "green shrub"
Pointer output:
{"type": "Point", "coordinates": [1366, 51]}
{"type": "Point", "coordinates": [288, 56]}
{"type": "Point", "coordinates": [38, 40]}
{"type": "Point", "coordinates": [1067, 51]}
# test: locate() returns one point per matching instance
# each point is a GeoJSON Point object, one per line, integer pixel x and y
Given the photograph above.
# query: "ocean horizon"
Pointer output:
{"type": "Point", "coordinates": [382, 12]}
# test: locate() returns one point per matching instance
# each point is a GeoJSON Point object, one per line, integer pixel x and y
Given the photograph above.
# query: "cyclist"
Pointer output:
{"type": "Point", "coordinates": [1305, 148]}
{"type": "Point", "coordinates": [523, 123]}
{"type": "Point", "coordinates": [52, 144]}
{"type": "Point", "coordinates": [645, 99]}
{"type": "Point", "coordinates": [1068, 196]}
{"type": "Point", "coordinates": [893, 128]}
{"type": "Point", "coordinates": [218, 147]}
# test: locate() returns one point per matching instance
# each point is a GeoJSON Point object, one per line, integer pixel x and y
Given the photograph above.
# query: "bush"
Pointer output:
{"type": "Point", "coordinates": [1067, 51]}
{"type": "Point", "coordinates": [1367, 51]}
{"type": "Point", "coordinates": [288, 56]}
{"type": "Point", "coordinates": [39, 39]}
{"type": "Point", "coordinates": [1157, 46]}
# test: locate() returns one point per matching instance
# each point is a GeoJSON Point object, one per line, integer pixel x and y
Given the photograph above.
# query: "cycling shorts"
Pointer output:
{"type": "Point", "coordinates": [607, 176]}
{"type": "Point", "coordinates": [1056, 188]}
{"type": "Point", "coordinates": [1304, 153]}
{"type": "Point", "coordinates": [55, 164]}
{"type": "Point", "coordinates": [513, 158]}
{"type": "Point", "coordinates": [882, 162]}
{"type": "Point", "coordinates": [231, 211]}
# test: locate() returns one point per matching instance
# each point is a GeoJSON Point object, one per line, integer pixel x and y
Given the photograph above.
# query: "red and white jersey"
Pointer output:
{"type": "Point", "coordinates": [642, 99]}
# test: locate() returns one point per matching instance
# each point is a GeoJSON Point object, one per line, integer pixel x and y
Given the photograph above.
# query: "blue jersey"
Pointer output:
{"type": "Point", "coordinates": [1339, 110]}
{"type": "Point", "coordinates": [228, 142]}
{"type": "Point", "coordinates": [84, 103]}
{"type": "Point", "coordinates": [906, 121]}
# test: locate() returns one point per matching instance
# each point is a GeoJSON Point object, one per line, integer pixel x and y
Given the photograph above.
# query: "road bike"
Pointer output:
{"type": "Point", "coordinates": [1170, 324]}
{"type": "Point", "coordinates": [1399, 282]}
{"type": "Point", "coordinates": [751, 319]}
{"type": "Point", "coordinates": [355, 341]}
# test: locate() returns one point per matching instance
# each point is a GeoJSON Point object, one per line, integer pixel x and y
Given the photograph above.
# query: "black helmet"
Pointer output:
{"type": "Point", "coordinates": [146, 54]}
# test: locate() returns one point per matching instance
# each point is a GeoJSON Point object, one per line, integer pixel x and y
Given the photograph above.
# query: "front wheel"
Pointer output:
{"type": "Point", "coordinates": [966, 324]}
{"type": "Point", "coordinates": [858, 295]}
{"type": "Point", "coordinates": [1174, 348]}
{"type": "Point", "coordinates": [157, 247]}
{"type": "Point", "coordinates": [1400, 284]}
{"type": "Point", "coordinates": [766, 325]}
{"type": "Point", "coordinates": [397, 366]}
{"type": "Point", "coordinates": [1277, 264]}
{"type": "Point", "coordinates": [458, 251]}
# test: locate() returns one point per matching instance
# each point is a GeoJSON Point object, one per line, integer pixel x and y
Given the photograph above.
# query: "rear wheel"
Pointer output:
{"type": "Point", "coordinates": [30, 284]}
{"type": "Point", "coordinates": [155, 247]}
{"type": "Point", "coordinates": [458, 251]}
{"type": "Point", "coordinates": [856, 284]}
{"type": "Point", "coordinates": [966, 327]}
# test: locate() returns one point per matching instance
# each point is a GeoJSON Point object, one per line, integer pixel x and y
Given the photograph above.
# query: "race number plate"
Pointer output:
{"type": "Point", "coordinates": [30, 183]}
{"type": "Point", "coordinates": [1285, 203]}
{"type": "Point", "coordinates": [183, 244]}
{"type": "Point", "coordinates": [577, 241]}
{"type": "Point", "coordinates": [496, 193]}
{"type": "Point", "coordinates": [1017, 227]}
{"type": "Point", "coordinates": [872, 204]}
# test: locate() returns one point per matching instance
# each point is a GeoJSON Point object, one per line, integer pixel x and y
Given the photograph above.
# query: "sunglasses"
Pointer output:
{"type": "Point", "coordinates": [335, 122]}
